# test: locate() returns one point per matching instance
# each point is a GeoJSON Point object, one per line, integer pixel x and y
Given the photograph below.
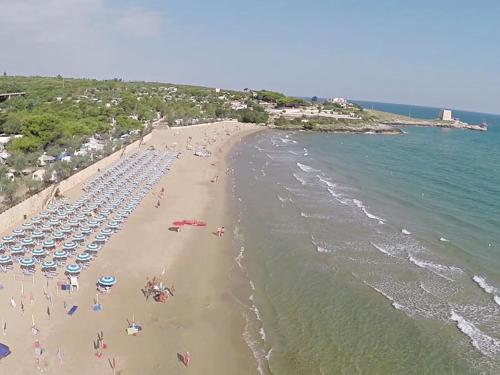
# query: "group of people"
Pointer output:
{"type": "Point", "coordinates": [159, 197]}
{"type": "Point", "coordinates": [220, 231]}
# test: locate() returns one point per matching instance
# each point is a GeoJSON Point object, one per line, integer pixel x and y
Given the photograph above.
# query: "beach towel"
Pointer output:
{"type": "Point", "coordinates": [4, 351]}
{"type": "Point", "coordinates": [72, 310]}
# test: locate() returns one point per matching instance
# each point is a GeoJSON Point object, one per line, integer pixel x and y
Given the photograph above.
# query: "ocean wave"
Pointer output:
{"type": "Point", "coordinates": [481, 281]}
{"type": "Point", "coordinates": [252, 285]}
{"type": "Point", "coordinates": [306, 153]}
{"type": "Point", "coordinates": [300, 179]}
{"type": "Point", "coordinates": [487, 345]}
{"type": "Point", "coordinates": [394, 304]}
{"type": "Point", "coordinates": [287, 141]}
{"type": "Point", "coordinates": [405, 231]}
{"type": "Point", "coordinates": [240, 257]}
{"type": "Point", "coordinates": [361, 206]}
{"type": "Point", "coordinates": [306, 168]}
{"type": "Point", "coordinates": [381, 249]}
{"type": "Point", "coordinates": [325, 181]}
{"type": "Point", "coordinates": [442, 239]}
{"type": "Point", "coordinates": [319, 247]}
{"type": "Point", "coordinates": [258, 354]}
{"type": "Point", "coordinates": [437, 269]}
{"type": "Point", "coordinates": [262, 333]}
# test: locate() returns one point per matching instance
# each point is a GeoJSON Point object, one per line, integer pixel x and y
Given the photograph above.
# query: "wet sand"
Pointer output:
{"type": "Point", "coordinates": [203, 316]}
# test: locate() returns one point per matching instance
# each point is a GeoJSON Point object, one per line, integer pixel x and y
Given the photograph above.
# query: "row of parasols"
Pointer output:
{"type": "Point", "coordinates": [64, 227]}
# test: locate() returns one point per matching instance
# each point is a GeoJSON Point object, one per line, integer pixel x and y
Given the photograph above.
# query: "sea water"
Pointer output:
{"type": "Point", "coordinates": [369, 254]}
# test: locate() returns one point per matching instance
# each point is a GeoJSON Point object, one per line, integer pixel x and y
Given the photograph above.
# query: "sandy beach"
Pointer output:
{"type": "Point", "coordinates": [201, 318]}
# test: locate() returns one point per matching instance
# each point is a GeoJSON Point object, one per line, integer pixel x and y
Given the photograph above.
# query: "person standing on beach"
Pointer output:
{"type": "Point", "coordinates": [222, 231]}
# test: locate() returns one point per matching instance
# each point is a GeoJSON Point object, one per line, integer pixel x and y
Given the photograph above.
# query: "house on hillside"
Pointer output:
{"type": "Point", "coordinates": [45, 159]}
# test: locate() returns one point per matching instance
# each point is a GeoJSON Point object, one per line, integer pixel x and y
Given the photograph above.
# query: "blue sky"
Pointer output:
{"type": "Point", "coordinates": [442, 53]}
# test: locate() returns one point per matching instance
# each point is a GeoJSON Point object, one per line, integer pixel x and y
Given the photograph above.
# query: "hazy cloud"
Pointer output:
{"type": "Point", "coordinates": [140, 22]}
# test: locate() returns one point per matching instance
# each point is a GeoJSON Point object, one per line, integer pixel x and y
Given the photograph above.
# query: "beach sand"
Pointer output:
{"type": "Point", "coordinates": [202, 318]}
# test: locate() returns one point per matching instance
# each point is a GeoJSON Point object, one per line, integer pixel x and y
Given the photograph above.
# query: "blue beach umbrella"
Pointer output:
{"type": "Point", "coordinates": [27, 226]}
{"type": "Point", "coordinates": [100, 238]}
{"type": "Point", "coordinates": [73, 223]}
{"type": "Point", "coordinates": [49, 265]}
{"type": "Point", "coordinates": [70, 246]}
{"type": "Point", "coordinates": [93, 247]}
{"type": "Point", "coordinates": [83, 257]}
{"type": "Point", "coordinates": [73, 269]}
{"type": "Point", "coordinates": [86, 231]}
{"type": "Point", "coordinates": [8, 239]}
{"type": "Point", "coordinates": [107, 280]}
{"type": "Point", "coordinates": [106, 232]}
{"type": "Point", "coordinates": [27, 262]}
{"type": "Point", "coordinates": [36, 219]}
{"type": "Point", "coordinates": [46, 228]}
{"type": "Point", "coordinates": [93, 223]}
{"type": "Point", "coordinates": [113, 224]}
{"type": "Point", "coordinates": [78, 237]}
{"type": "Point", "coordinates": [54, 222]}
{"type": "Point", "coordinates": [61, 254]}
{"type": "Point", "coordinates": [66, 230]}
{"type": "Point", "coordinates": [58, 236]}
{"type": "Point", "coordinates": [5, 259]}
{"type": "Point", "coordinates": [17, 250]}
{"type": "Point", "coordinates": [18, 232]}
{"type": "Point", "coordinates": [39, 253]}
{"type": "Point", "coordinates": [48, 244]}
{"type": "Point", "coordinates": [100, 218]}
{"type": "Point", "coordinates": [37, 234]}
{"type": "Point", "coordinates": [27, 242]}
{"type": "Point", "coordinates": [44, 214]}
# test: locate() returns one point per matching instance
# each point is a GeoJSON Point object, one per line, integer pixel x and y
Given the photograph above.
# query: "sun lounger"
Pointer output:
{"type": "Point", "coordinates": [72, 310]}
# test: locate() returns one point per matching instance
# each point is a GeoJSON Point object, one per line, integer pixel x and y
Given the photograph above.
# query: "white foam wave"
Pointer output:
{"type": "Point", "coordinates": [497, 300]}
{"type": "Point", "coordinates": [257, 354]}
{"type": "Point", "coordinates": [240, 256]}
{"type": "Point", "coordinates": [405, 231]}
{"type": "Point", "coordinates": [481, 281]}
{"type": "Point", "coordinates": [300, 179]}
{"type": "Point", "coordinates": [325, 181]}
{"type": "Point", "coordinates": [287, 141]}
{"type": "Point", "coordinates": [306, 153]}
{"type": "Point", "coordinates": [435, 268]}
{"type": "Point", "coordinates": [487, 345]}
{"type": "Point", "coordinates": [262, 334]}
{"type": "Point", "coordinates": [361, 206]}
{"type": "Point", "coordinates": [252, 285]}
{"type": "Point", "coordinates": [381, 249]}
{"type": "Point", "coordinates": [442, 239]}
{"type": "Point", "coordinates": [306, 168]}
{"type": "Point", "coordinates": [268, 355]}
{"type": "Point", "coordinates": [322, 250]}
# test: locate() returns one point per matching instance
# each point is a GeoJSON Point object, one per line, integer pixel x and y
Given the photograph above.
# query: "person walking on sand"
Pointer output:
{"type": "Point", "coordinates": [222, 231]}
{"type": "Point", "coordinates": [218, 232]}
{"type": "Point", "coordinates": [186, 358]}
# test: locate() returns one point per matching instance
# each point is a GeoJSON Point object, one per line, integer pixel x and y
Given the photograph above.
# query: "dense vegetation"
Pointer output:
{"type": "Point", "coordinates": [279, 99]}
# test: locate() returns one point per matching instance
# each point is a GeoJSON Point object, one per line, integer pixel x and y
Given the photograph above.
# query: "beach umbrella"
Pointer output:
{"type": "Point", "coordinates": [107, 280]}
{"type": "Point", "coordinates": [36, 219]}
{"type": "Point", "coordinates": [113, 224]}
{"type": "Point", "coordinates": [54, 222]}
{"type": "Point", "coordinates": [39, 253]}
{"type": "Point", "coordinates": [61, 254]}
{"type": "Point", "coordinates": [62, 215]}
{"type": "Point", "coordinates": [85, 230]}
{"type": "Point", "coordinates": [66, 230]}
{"type": "Point", "coordinates": [80, 217]}
{"type": "Point", "coordinates": [73, 223]}
{"type": "Point", "coordinates": [93, 223]}
{"type": "Point", "coordinates": [70, 245]}
{"type": "Point", "coordinates": [5, 259]}
{"type": "Point", "coordinates": [106, 232]}
{"type": "Point", "coordinates": [83, 257]}
{"type": "Point", "coordinates": [51, 210]}
{"type": "Point", "coordinates": [73, 268]}
{"type": "Point", "coordinates": [27, 242]}
{"type": "Point", "coordinates": [49, 244]}
{"type": "Point", "coordinates": [37, 234]}
{"type": "Point", "coordinates": [8, 239]}
{"type": "Point", "coordinates": [19, 232]}
{"type": "Point", "coordinates": [17, 250]}
{"type": "Point", "coordinates": [58, 236]}
{"type": "Point", "coordinates": [44, 214]}
{"type": "Point", "coordinates": [100, 218]}
{"type": "Point", "coordinates": [93, 247]}
{"type": "Point", "coordinates": [79, 237]}
{"type": "Point", "coordinates": [27, 226]}
{"type": "Point", "coordinates": [27, 262]}
{"type": "Point", "coordinates": [48, 265]}
{"type": "Point", "coordinates": [46, 228]}
{"type": "Point", "coordinates": [100, 238]}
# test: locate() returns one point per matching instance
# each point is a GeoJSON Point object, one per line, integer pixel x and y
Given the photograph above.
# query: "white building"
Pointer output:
{"type": "Point", "coordinates": [445, 115]}
{"type": "Point", "coordinates": [341, 101]}
{"type": "Point", "coordinates": [236, 105]}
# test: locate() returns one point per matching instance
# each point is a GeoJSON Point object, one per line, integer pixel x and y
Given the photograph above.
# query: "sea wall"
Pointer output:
{"type": "Point", "coordinates": [17, 214]}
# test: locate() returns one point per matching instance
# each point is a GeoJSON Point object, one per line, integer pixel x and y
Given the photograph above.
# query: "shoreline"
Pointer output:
{"type": "Point", "coordinates": [203, 317]}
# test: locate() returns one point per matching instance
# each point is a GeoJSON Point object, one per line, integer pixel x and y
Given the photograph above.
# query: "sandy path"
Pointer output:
{"type": "Point", "coordinates": [201, 318]}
